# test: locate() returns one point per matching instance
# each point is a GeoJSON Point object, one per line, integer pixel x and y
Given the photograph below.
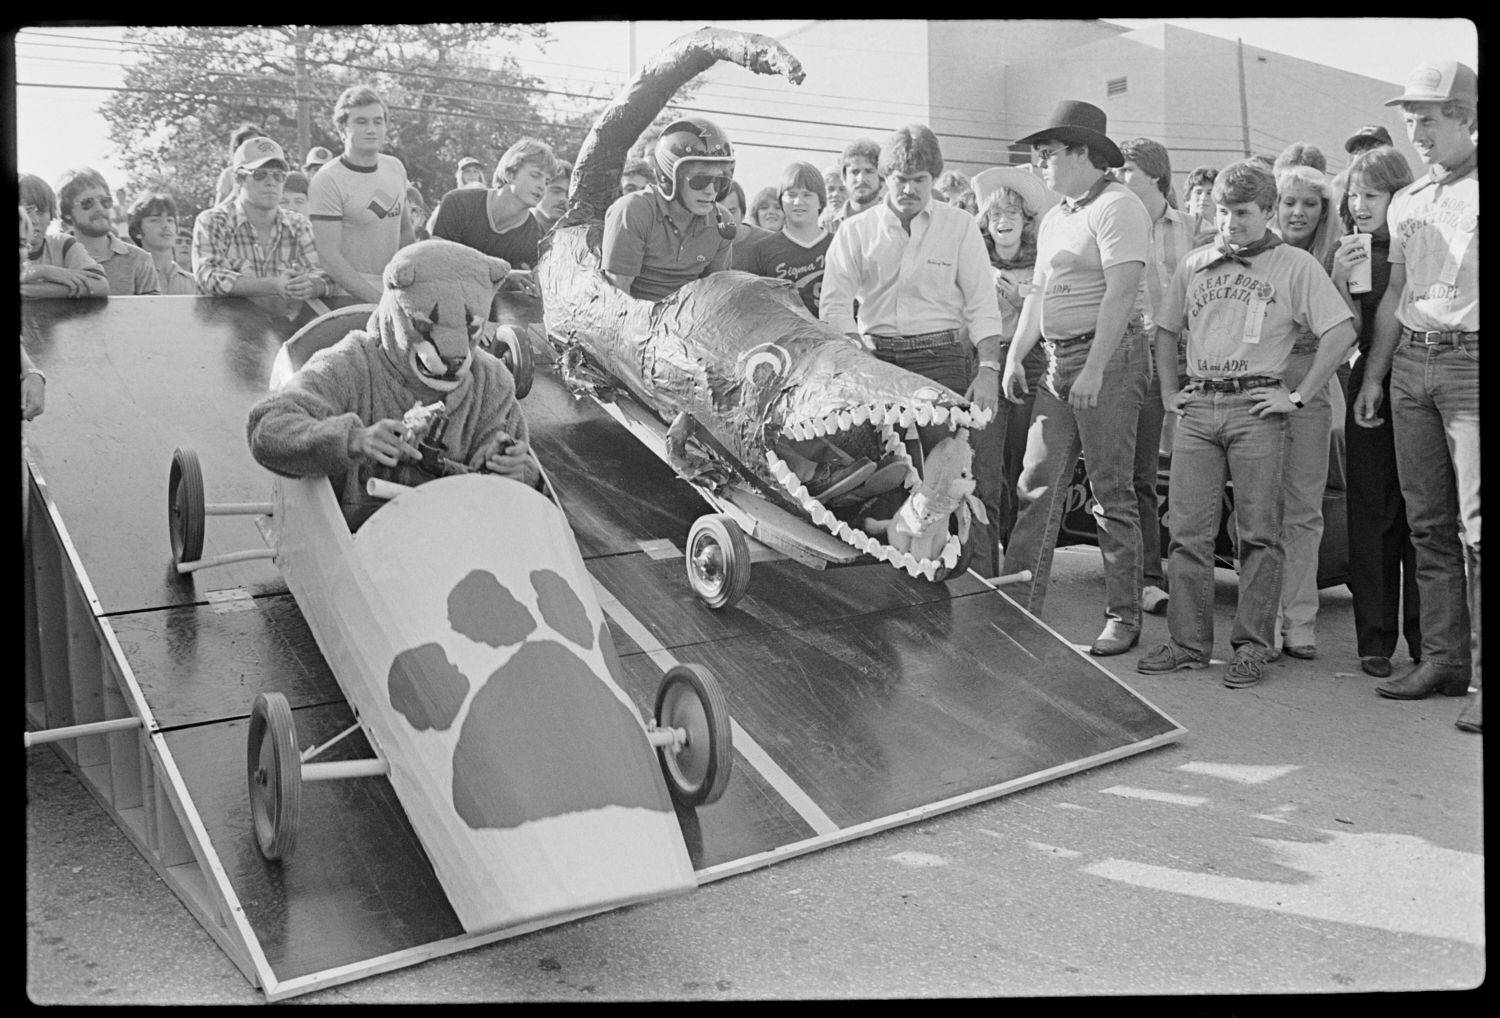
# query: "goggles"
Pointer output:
{"type": "Point", "coordinates": [87, 204]}
{"type": "Point", "coordinates": [702, 181]}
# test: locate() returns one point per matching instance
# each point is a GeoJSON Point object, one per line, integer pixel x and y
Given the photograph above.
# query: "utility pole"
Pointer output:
{"type": "Point", "coordinates": [630, 53]}
{"type": "Point", "coordinates": [1239, 51]}
{"type": "Point", "coordinates": [304, 93]}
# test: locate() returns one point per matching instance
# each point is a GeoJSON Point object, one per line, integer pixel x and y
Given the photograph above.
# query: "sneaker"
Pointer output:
{"type": "Point", "coordinates": [1168, 658]}
{"type": "Point", "coordinates": [1154, 600]}
{"type": "Point", "coordinates": [1247, 670]}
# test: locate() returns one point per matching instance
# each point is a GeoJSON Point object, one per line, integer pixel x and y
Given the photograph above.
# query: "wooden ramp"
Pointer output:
{"type": "Point", "coordinates": [862, 699]}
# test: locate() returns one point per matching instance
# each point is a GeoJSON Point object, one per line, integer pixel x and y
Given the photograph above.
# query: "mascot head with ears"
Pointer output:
{"type": "Point", "coordinates": [434, 310]}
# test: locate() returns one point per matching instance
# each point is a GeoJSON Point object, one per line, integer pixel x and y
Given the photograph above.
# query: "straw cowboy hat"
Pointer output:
{"type": "Point", "coordinates": [1078, 123]}
{"type": "Point", "coordinates": [1037, 195]}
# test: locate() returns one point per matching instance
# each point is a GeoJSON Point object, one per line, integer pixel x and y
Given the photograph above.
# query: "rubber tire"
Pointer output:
{"type": "Point", "coordinates": [706, 719]}
{"type": "Point", "coordinates": [724, 532]}
{"type": "Point", "coordinates": [275, 823]}
{"type": "Point", "coordinates": [185, 507]}
{"type": "Point", "coordinates": [517, 355]}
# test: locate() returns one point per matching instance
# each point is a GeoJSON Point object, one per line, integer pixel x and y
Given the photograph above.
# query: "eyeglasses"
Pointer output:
{"type": "Point", "coordinates": [703, 181]}
{"type": "Point", "coordinates": [87, 204]}
{"type": "Point", "coordinates": [1046, 155]}
{"type": "Point", "coordinates": [261, 174]}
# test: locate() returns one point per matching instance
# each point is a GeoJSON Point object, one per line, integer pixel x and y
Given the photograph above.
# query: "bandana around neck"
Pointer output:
{"type": "Point", "coordinates": [1070, 205]}
{"type": "Point", "coordinates": [1224, 253]}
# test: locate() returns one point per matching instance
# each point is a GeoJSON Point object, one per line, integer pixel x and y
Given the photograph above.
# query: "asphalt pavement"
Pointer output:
{"type": "Point", "coordinates": [1305, 836]}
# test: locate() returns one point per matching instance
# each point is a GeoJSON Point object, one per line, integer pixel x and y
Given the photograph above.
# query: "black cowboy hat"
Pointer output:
{"type": "Point", "coordinates": [1078, 123]}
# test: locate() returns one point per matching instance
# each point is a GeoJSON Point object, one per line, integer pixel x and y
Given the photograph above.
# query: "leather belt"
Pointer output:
{"type": "Point", "coordinates": [920, 341]}
{"type": "Point", "coordinates": [1067, 340]}
{"type": "Point", "coordinates": [1234, 384]}
{"type": "Point", "coordinates": [1435, 338]}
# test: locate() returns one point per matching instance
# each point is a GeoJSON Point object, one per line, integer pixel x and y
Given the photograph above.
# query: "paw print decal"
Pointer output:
{"type": "Point", "coordinates": [528, 723]}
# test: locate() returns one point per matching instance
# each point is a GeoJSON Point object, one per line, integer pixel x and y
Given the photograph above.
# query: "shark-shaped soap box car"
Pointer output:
{"type": "Point", "coordinates": [484, 677]}
{"type": "Point", "coordinates": [715, 377]}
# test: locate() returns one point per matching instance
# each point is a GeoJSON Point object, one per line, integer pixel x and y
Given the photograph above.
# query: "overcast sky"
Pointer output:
{"type": "Point", "coordinates": [59, 128]}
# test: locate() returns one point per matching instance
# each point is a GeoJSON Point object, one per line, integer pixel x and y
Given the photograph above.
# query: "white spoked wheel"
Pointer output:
{"type": "Point", "coordinates": [689, 698]}
{"type": "Point", "coordinates": [514, 347]}
{"type": "Point", "coordinates": [273, 769]}
{"type": "Point", "coordinates": [185, 507]}
{"type": "Point", "coordinates": [718, 560]}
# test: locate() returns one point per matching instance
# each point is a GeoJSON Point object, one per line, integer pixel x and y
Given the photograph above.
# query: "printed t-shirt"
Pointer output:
{"type": "Point", "coordinates": [463, 217]}
{"type": "Point", "coordinates": [781, 257]}
{"type": "Point", "coordinates": [1243, 320]}
{"type": "Point", "coordinates": [369, 200]}
{"type": "Point", "coordinates": [641, 239]}
{"type": "Point", "coordinates": [1435, 234]}
{"type": "Point", "coordinates": [1073, 250]}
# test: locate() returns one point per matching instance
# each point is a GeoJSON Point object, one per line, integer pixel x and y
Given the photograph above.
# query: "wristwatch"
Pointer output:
{"type": "Point", "coordinates": [994, 366]}
{"type": "Point", "coordinates": [1296, 398]}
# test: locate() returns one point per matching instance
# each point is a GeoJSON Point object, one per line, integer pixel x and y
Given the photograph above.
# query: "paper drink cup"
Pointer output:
{"type": "Point", "coordinates": [1359, 276]}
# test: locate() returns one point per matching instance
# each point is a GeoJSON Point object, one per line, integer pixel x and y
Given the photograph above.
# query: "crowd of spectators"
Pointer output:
{"type": "Point", "coordinates": [1100, 315]}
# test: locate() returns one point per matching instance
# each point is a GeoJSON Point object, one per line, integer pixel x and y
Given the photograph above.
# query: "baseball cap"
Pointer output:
{"type": "Point", "coordinates": [1370, 132]}
{"type": "Point", "coordinates": [469, 161]}
{"type": "Point", "coordinates": [256, 152]}
{"type": "Point", "coordinates": [317, 156]}
{"type": "Point", "coordinates": [1437, 81]}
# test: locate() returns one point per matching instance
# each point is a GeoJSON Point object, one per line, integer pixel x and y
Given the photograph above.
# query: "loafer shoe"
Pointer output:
{"type": "Point", "coordinates": [1470, 719]}
{"type": "Point", "coordinates": [1168, 658]}
{"type": "Point", "coordinates": [1247, 670]}
{"type": "Point", "coordinates": [1300, 651]}
{"type": "Point", "coordinates": [1374, 664]}
{"type": "Point", "coordinates": [831, 480]}
{"type": "Point", "coordinates": [1116, 638]}
{"type": "Point", "coordinates": [1154, 600]}
{"type": "Point", "coordinates": [1424, 680]}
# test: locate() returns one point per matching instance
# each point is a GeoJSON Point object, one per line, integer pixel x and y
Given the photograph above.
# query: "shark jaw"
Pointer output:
{"type": "Point", "coordinates": [885, 419]}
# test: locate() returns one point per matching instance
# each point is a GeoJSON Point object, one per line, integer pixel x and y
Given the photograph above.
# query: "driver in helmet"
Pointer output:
{"type": "Point", "coordinates": [660, 238]}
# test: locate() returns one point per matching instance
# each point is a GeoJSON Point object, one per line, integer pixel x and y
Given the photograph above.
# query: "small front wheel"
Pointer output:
{"type": "Point", "coordinates": [690, 698]}
{"type": "Point", "coordinates": [514, 346]}
{"type": "Point", "coordinates": [718, 560]}
{"type": "Point", "coordinates": [185, 507]}
{"type": "Point", "coordinates": [273, 770]}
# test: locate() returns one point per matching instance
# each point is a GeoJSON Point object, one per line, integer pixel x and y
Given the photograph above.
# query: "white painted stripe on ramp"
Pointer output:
{"type": "Point", "coordinates": [1153, 795]}
{"type": "Point", "coordinates": [754, 754]}
{"type": "Point", "coordinates": [1245, 774]}
{"type": "Point", "coordinates": [1394, 882]}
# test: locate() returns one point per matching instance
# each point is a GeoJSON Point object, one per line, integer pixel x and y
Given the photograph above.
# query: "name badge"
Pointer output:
{"type": "Point", "coordinates": [1255, 320]}
{"type": "Point", "coordinates": [1458, 246]}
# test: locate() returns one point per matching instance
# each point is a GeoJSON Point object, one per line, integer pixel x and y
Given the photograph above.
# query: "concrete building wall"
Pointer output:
{"type": "Point", "coordinates": [863, 79]}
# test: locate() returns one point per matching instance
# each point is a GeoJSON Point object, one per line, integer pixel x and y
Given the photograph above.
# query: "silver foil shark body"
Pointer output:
{"type": "Point", "coordinates": [736, 354]}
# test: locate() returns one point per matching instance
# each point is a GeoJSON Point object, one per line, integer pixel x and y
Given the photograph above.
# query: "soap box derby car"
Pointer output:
{"type": "Point", "coordinates": [484, 676]}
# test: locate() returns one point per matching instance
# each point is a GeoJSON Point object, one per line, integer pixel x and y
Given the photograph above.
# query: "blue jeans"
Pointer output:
{"type": "Point", "coordinates": [1147, 462]}
{"type": "Point", "coordinates": [1216, 436]}
{"type": "Point", "coordinates": [1105, 434]}
{"type": "Point", "coordinates": [1306, 476]}
{"type": "Point", "coordinates": [1435, 414]}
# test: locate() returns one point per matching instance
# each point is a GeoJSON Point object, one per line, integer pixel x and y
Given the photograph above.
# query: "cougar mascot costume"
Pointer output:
{"type": "Point", "coordinates": [421, 348]}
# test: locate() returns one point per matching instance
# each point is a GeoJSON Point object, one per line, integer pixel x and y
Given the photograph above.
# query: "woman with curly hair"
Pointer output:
{"type": "Point", "coordinates": [1011, 203]}
{"type": "Point", "coordinates": [1305, 218]}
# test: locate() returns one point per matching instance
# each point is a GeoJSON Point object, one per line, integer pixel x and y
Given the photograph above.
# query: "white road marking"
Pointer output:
{"type": "Point", "coordinates": [1245, 774]}
{"type": "Point", "coordinates": [1066, 853]}
{"type": "Point", "coordinates": [1154, 796]}
{"type": "Point", "coordinates": [920, 860]}
{"type": "Point", "coordinates": [754, 755]}
{"type": "Point", "coordinates": [1394, 882]}
{"type": "Point", "coordinates": [1073, 805]}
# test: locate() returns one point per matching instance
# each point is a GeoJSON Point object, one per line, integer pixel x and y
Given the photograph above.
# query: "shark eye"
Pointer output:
{"type": "Point", "coordinates": [766, 362]}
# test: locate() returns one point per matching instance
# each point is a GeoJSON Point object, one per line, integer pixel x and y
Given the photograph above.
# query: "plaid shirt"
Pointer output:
{"type": "Point", "coordinates": [224, 247]}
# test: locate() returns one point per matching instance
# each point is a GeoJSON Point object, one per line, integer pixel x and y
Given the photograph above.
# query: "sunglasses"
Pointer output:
{"type": "Point", "coordinates": [1046, 155]}
{"type": "Point", "coordinates": [261, 174]}
{"type": "Point", "coordinates": [703, 181]}
{"type": "Point", "coordinates": [87, 204]}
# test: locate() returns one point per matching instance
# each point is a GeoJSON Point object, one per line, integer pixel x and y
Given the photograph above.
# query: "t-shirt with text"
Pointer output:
{"type": "Point", "coordinates": [1074, 249]}
{"type": "Point", "coordinates": [781, 257]}
{"type": "Point", "coordinates": [1243, 320]}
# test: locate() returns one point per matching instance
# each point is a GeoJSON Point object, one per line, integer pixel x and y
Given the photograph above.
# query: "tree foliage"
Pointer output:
{"type": "Point", "coordinates": [448, 97]}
